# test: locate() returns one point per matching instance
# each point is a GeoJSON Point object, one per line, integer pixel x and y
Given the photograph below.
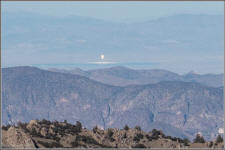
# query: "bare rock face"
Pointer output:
{"type": "Point", "coordinates": [165, 143]}
{"type": "Point", "coordinates": [44, 131]}
{"type": "Point", "coordinates": [16, 137]}
{"type": "Point", "coordinates": [33, 124]}
{"type": "Point", "coordinates": [67, 140]}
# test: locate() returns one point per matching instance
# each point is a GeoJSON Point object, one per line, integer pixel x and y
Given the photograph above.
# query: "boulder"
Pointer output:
{"type": "Point", "coordinates": [17, 138]}
{"type": "Point", "coordinates": [33, 125]}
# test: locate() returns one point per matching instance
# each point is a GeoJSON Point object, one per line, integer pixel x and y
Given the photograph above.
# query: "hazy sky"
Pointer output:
{"type": "Point", "coordinates": [51, 42]}
{"type": "Point", "coordinates": [116, 11]}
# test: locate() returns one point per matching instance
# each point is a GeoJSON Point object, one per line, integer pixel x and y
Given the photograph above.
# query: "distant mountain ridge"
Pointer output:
{"type": "Point", "coordinates": [123, 76]}
{"type": "Point", "coordinates": [178, 108]}
{"type": "Point", "coordinates": [181, 38]}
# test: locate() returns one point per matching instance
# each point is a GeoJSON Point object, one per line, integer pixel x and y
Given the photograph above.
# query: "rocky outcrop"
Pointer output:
{"type": "Point", "coordinates": [17, 138]}
{"type": "Point", "coordinates": [46, 134]}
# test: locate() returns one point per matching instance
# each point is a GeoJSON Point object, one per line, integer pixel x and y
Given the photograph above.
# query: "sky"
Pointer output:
{"type": "Point", "coordinates": [115, 11]}
{"type": "Point", "coordinates": [42, 44]}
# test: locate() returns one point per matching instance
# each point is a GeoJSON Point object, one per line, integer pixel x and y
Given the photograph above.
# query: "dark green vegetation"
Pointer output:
{"type": "Point", "coordinates": [126, 127]}
{"type": "Point", "coordinates": [199, 139]}
{"type": "Point", "coordinates": [139, 146]}
{"type": "Point", "coordinates": [50, 145]}
{"type": "Point", "coordinates": [6, 127]}
{"type": "Point", "coordinates": [219, 139]}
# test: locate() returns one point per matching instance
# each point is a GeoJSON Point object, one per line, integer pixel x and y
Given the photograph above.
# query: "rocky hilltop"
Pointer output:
{"type": "Point", "coordinates": [180, 109]}
{"type": "Point", "coordinates": [47, 134]}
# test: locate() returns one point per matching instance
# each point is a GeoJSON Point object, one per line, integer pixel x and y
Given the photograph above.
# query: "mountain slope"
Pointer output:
{"type": "Point", "coordinates": [123, 76]}
{"type": "Point", "coordinates": [33, 93]}
{"type": "Point", "coordinates": [178, 108]}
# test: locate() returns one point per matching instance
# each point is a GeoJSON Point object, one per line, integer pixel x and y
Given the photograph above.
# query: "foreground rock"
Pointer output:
{"type": "Point", "coordinates": [46, 134]}
{"type": "Point", "coordinates": [17, 138]}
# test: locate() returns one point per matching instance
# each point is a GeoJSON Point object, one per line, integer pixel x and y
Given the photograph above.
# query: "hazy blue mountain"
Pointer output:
{"type": "Point", "coordinates": [83, 39]}
{"type": "Point", "coordinates": [215, 80]}
{"type": "Point", "coordinates": [178, 108]}
{"type": "Point", "coordinates": [123, 76]}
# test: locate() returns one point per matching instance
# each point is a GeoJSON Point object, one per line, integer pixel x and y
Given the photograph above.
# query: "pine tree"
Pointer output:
{"type": "Point", "coordinates": [199, 139]}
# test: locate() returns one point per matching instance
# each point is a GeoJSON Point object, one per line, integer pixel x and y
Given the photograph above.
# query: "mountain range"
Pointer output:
{"type": "Point", "coordinates": [182, 39]}
{"type": "Point", "coordinates": [178, 108]}
{"type": "Point", "coordinates": [123, 76]}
